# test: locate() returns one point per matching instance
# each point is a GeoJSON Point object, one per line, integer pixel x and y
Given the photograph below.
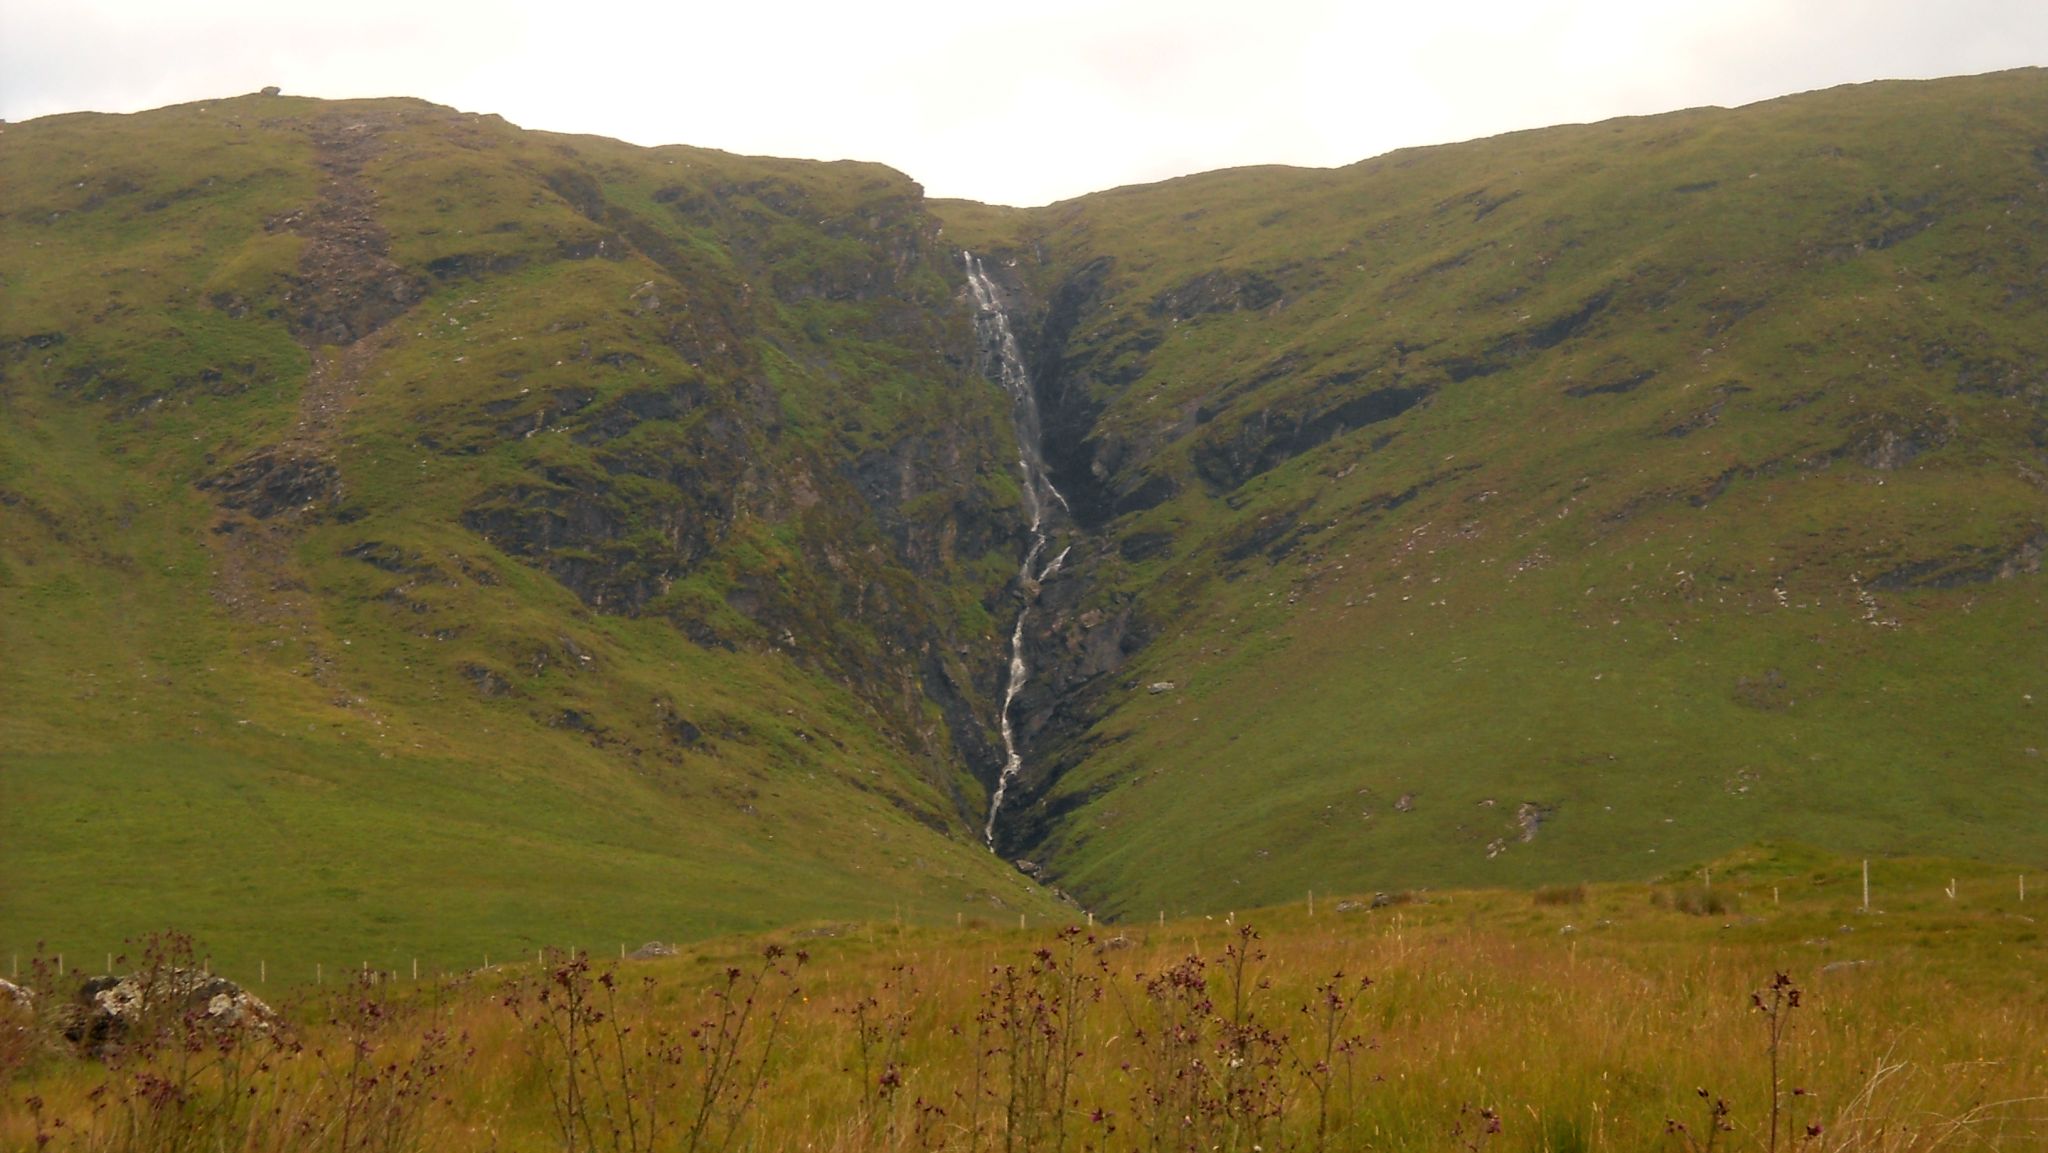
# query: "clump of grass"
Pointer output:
{"type": "Point", "coordinates": [379, 1100]}
{"type": "Point", "coordinates": [1330, 1049]}
{"type": "Point", "coordinates": [1775, 1003]}
{"type": "Point", "coordinates": [610, 1068]}
{"type": "Point", "coordinates": [1697, 902]}
{"type": "Point", "coordinates": [881, 1023]}
{"type": "Point", "coordinates": [1214, 1069]}
{"type": "Point", "coordinates": [18, 1036]}
{"type": "Point", "coordinates": [1031, 1018]}
{"type": "Point", "coordinates": [1560, 895]}
{"type": "Point", "coordinates": [1702, 1139]}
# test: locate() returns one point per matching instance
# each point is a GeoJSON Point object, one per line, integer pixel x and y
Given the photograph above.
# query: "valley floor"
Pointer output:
{"type": "Point", "coordinates": [1770, 1010]}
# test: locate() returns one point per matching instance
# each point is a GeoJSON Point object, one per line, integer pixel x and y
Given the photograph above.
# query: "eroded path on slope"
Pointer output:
{"type": "Point", "coordinates": [342, 299]}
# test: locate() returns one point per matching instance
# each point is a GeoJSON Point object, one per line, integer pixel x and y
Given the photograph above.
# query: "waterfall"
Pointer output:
{"type": "Point", "coordinates": [999, 349]}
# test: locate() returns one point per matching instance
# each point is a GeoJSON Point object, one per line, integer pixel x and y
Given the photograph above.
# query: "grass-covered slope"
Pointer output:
{"type": "Point", "coordinates": [418, 534]}
{"type": "Point", "coordinates": [1551, 506]}
{"type": "Point", "coordinates": [423, 536]}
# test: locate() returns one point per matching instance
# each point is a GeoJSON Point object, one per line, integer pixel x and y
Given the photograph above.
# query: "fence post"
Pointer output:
{"type": "Point", "coordinates": [1866, 884]}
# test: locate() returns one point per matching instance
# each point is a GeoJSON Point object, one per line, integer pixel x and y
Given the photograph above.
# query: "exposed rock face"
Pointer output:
{"type": "Point", "coordinates": [1077, 634]}
{"type": "Point", "coordinates": [109, 1012]}
{"type": "Point", "coordinates": [1063, 377]}
{"type": "Point", "coordinates": [347, 284]}
{"type": "Point", "coordinates": [1267, 438]}
{"type": "Point", "coordinates": [1075, 645]}
{"type": "Point", "coordinates": [274, 482]}
{"type": "Point", "coordinates": [1219, 291]}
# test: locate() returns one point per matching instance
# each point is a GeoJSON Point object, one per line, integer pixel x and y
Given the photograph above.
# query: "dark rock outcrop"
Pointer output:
{"type": "Point", "coordinates": [274, 482]}
{"type": "Point", "coordinates": [1265, 439]}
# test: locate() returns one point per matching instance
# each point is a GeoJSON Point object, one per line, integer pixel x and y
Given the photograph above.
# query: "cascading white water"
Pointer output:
{"type": "Point", "coordinates": [999, 348]}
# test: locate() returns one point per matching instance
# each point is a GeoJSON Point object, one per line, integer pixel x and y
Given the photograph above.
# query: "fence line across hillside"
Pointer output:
{"type": "Point", "coordinates": [365, 974]}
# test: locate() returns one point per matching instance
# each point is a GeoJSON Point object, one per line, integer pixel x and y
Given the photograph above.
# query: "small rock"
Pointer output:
{"type": "Point", "coordinates": [1405, 804]}
{"type": "Point", "coordinates": [272, 90]}
{"type": "Point", "coordinates": [1157, 687]}
{"type": "Point", "coordinates": [651, 950]}
{"type": "Point", "coordinates": [1837, 966]}
{"type": "Point", "coordinates": [1028, 868]}
{"type": "Point", "coordinates": [14, 994]}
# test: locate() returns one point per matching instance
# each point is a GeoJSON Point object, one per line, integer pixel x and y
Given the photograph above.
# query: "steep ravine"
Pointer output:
{"type": "Point", "coordinates": [1070, 629]}
{"type": "Point", "coordinates": [1003, 361]}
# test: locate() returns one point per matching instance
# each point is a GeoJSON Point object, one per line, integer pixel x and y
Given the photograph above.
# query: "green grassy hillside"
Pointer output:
{"type": "Point", "coordinates": [1549, 507]}
{"type": "Point", "coordinates": [423, 536]}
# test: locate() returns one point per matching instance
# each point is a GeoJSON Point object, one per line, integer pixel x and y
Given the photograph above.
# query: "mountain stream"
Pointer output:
{"type": "Point", "coordinates": [999, 351]}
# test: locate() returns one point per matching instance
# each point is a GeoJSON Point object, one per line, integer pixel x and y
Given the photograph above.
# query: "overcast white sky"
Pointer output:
{"type": "Point", "coordinates": [1017, 102]}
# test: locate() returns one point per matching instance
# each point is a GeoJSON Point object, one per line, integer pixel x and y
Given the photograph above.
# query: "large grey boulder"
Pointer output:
{"type": "Point", "coordinates": [111, 1011]}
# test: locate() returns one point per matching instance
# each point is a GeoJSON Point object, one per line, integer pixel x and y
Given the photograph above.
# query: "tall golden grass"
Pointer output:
{"type": "Point", "coordinates": [1458, 1023]}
